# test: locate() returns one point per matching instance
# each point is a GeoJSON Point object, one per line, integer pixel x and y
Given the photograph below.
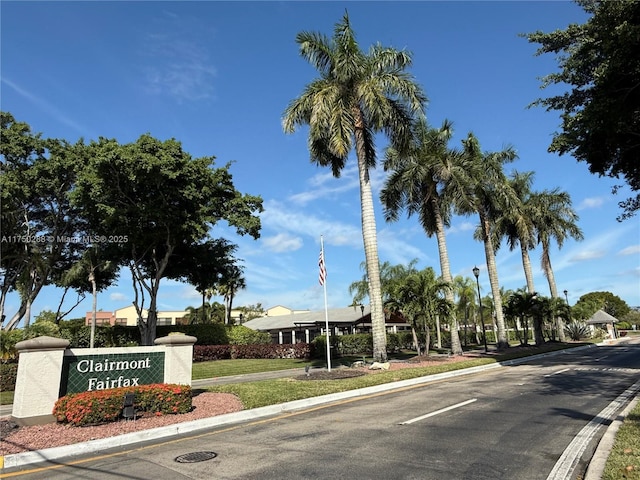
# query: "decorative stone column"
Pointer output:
{"type": "Point", "coordinates": [38, 380]}
{"type": "Point", "coordinates": [178, 358]}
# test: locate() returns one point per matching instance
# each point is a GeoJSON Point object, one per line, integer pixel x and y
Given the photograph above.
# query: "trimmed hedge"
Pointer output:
{"type": "Point", "coordinates": [102, 406]}
{"type": "Point", "coordinates": [205, 353]}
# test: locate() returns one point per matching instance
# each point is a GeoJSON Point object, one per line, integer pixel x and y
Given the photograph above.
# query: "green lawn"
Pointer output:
{"type": "Point", "coordinates": [226, 368]}
{"type": "Point", "coordinates": [624, 460]}
{"type": "Point", "coordinates": [270, 392]}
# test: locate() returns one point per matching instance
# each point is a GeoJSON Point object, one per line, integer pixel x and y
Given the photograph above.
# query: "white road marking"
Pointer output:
{"type": "Point", "coordinates": [437, 412]}
{"type": "Point", "coordinates": [559, 371]}
{"type": "Point", "coordinates": [569, 459]}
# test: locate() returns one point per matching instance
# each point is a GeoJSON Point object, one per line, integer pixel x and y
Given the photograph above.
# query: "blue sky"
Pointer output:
{"type": "Point", "coordinates": [218, 75]}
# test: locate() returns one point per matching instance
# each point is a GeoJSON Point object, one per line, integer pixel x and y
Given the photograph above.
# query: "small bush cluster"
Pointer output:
{"type": "Point", "coordinates": [205, 353]}
{"type": "Point", "coordinates": [360, 344]}
{"type": "Point", "coordinates": [102, 406]}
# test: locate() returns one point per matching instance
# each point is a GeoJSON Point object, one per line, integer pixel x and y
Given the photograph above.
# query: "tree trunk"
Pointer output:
{"type": "Point", "coordinates": [492, 271]}
{"type": "Point", "coordinates": [369, 236]}
{"type": "Point", "coordinates": [537, 330]}
{"type": "Point", "coordinates": [445, 270]}
{"type": "Point", "coordinates": [94, 308]}
{"type": "Point", "coordinates": [416, 342]}
{"type": "Point", "coordinates": [427, 340]}
{"type": "Point", "coordinates": [25, 305]}
{"type": "Point", "coordinates": [526, 265]}
{"type": "Point", "coordinates": [548, 272]}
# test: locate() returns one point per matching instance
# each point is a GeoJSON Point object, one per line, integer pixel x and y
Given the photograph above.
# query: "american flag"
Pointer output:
{"type": "Point", "coordinates": [323, 272]}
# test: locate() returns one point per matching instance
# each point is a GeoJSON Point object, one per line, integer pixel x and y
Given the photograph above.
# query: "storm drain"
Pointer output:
{"type": "Point", "coordinates": [195, 457]}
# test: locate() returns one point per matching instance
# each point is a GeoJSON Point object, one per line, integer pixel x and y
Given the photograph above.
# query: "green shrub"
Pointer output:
{"type": "Point", "coordinates": [577, 330]}
{"type": "Point", "coordinates": [241, 335]}
{"type": "Point", "coordinates": [205, 353]}
{"type": "Point", "coordinates": [8, 375]}
{"type": "Point", "coordinates": [101, 406]}
{"type": "Point", "coordinates": [8, 340]}
{"type": "Point", "coordinates": [206, 334]}
{"type": "Point", "coordinates": [40, 329]}
{"type": "Point", "coordinates": [354, 344]}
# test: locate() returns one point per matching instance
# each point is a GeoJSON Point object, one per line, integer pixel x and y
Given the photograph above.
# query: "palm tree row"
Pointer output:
{"type": "Point", "coordinates": [361, 94]}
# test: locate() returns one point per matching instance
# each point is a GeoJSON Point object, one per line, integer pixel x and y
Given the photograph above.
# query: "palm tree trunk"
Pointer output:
{"type": "Point", "coordinates": [526, 265]}
{"type": "Point", "coordinates": [369, 236]}
{"type": "Point", "coordinates": [445, 270]}
{"type": "Point", "coordinates": [548, 272]}
{"type": "Point", "coordinates": [416, 342]}
{"type": "Point", "coordinates": [493, 280]}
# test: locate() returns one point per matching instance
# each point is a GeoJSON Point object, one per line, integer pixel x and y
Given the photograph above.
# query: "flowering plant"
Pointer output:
{"type": "Point", "coordinates": [101, 406]}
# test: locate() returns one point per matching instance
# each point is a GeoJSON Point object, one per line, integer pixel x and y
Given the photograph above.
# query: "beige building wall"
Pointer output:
{"type": "Point", "coordinates": [128, 316]}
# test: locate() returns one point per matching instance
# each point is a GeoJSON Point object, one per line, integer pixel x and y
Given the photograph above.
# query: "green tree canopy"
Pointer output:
{"type": "Point", "coordinates": [156, 202]}
{"type": "Point", "coordinates": [600, 62]}
{"type": "Point", "coordinates": [590, 303]}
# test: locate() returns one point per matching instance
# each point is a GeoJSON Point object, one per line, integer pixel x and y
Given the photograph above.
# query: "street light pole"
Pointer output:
{"type": "Point", "coordinates": [476, 273]}
{"type": "Point", "coordinates": [567, 299]}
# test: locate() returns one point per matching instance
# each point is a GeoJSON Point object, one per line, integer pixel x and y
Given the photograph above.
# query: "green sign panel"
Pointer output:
{"type": "Point", "coordinates": [99, 372]}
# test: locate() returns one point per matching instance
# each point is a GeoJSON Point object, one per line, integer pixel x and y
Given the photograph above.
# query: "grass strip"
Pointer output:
{"type": "Point", "coordinates": [624, 460]}
{"type": "Point", "coordinates": [271, 392]}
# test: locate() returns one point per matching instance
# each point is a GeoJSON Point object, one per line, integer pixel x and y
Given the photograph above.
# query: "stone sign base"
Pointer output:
{"type": "Point", "coordinates": [42, 375]}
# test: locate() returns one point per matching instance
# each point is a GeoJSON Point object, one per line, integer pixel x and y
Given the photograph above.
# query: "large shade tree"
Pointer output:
{"type": "Point", "coordinates": [356, 95]}
{"type": "Point", "coordinates": [154, 201]}
{"type": "Point", "coordinates": [416, 184]}
{"type": "Point", "coordinates": [600, 64]}
{"type": "Point", "coordinates": [39, 224]}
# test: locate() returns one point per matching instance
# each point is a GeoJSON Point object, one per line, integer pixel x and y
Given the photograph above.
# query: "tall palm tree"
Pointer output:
{"type": "Point", "coordinates": [554, 219]}
{"type": "Point", "coordinates": [516, 225]}
{"type": "Point", "coordinates": [229, 285]}
{"type": "Point", "coordinates": [483, 189]}
{"type": "Point", "coordinates": [465, 291]}
{"type": "Point", "coordinates": [357, 95]}
{"type": "Point", "coordinates": [414, 185]}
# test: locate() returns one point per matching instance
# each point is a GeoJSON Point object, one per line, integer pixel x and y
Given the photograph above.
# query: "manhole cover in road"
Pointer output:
{"type": "Point", "coordinates": [195, 457]}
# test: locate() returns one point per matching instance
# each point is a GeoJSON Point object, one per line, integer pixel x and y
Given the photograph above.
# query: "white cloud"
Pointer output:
{"type": "Point", "coordinates": [118, 297]}
{"type": "Point", "coordinates": [586, 255]}
{"type": "Point", "coordinates": [593, 202]}
{"type": "Point", "coordinates": [323, 185]}
{"type": "Point", "coordinates": [176, 63]}
{"type": "Point", "coordinates": [283, 243]}
{"type": "Point", "coordinates": [632, 250]}
{"type": "Point", "coordinates": [278, 217]}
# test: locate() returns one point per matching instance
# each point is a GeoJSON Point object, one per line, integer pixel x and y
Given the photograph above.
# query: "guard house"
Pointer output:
{"type": "Point", "coordinates": [304, 327]}
{"type": "Point", "coordinates": [603, 320]}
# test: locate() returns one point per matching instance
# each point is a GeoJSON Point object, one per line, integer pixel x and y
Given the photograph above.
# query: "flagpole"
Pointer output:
{"type": "Point", "coordinates": [326, 311]}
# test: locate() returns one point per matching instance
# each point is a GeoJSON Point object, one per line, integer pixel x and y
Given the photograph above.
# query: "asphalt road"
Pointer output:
{"type": "Point", "coordinates": [511, 423]}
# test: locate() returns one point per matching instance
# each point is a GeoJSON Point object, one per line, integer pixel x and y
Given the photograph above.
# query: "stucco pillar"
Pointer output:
{"type": "Point", "coordinates": [38, 380]}
{"type": "Point", "coordinates": [178, 358]}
